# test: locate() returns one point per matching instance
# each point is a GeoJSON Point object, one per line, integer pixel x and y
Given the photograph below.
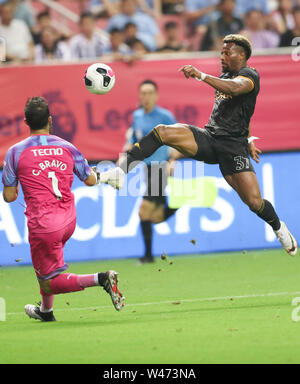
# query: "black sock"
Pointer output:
{"type": "Point", "coordinates": [147, 235]}
{"type": "Point", "coordinates": [141, 150]}
{"type": "Point", "coordinates": [268, 214]}
{"type": "Point", "coordinates": [102, 277]}
{"type": "Point", "coordinates": [169, 212]}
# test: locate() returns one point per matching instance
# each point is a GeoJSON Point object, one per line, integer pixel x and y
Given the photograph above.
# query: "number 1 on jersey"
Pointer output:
{"type": "Point", "coordinates": [57, 193]}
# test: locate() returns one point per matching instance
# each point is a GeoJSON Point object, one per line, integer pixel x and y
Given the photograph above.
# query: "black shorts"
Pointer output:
{"type": "Point", "coordinates": [156, 181]}
{"type": "Point", "coordinates": [231, 153]}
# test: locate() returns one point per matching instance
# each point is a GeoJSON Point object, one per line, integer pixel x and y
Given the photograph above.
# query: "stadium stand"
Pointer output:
{"type": "Point", "coordinates": [199, 25]}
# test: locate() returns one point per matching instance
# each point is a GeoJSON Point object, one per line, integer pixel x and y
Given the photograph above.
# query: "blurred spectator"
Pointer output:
{"type": "Point", "coordinates": [226, 24]}
{"type": "Point", "coordinates": [151, 7]}
{"type": "Point", "coordinates": [43, 21]}
{"type": "Point", "coordinates": [244, 6]}
{"type": "Point", "coordinates": [104, 8]}
{"type": "Point", "coordinates": [148, 31]}
{"type": "Point", "coordinates": [129, 51]}
{"type": "Point", "coordinates": [130, 31]}
{"type": "Point", "coordinates": [90, 42]}
{"type": "Point", "coordinates": [282, 19]}
{"type": "Point", "coordinates": [172, 7]}
{"type": "Point", "coordinates": [117, 45]}
{"type": "Point", "coordinates": [173, 41]}
{"type": "Point", "coordinates": [137, 47]}
{"type": "Point", "coordinates": [50, 47]}
{"type": "Point", "coordinates": [19, 44]}
{"type": "Point", "coordinates": [23, 11]}
{"type": "Point", "coordinates": [255, 30]}
{"type": "Point", "coordinates": [198, 14]}
{"type": "Point", "coordinates": [289, 35]}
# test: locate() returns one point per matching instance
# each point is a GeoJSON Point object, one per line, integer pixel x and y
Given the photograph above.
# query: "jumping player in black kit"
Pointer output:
{"type": "Point", "coordinates": [225, 139]}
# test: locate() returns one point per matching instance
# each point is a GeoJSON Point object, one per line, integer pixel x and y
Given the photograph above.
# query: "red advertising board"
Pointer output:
{"type": "Point", "coordinates": [97, 124]}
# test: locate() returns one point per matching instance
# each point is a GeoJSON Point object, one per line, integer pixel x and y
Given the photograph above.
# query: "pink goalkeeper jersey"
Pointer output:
{"type": "Point", "coordinates": [44, 165]}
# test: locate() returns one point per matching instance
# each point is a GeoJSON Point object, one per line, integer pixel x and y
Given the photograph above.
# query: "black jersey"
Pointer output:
{"type": "Point", "coordinates": [231, 114]}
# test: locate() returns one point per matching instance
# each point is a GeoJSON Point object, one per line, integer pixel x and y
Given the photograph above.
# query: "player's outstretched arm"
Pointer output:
{"type": "Point", "coordinates": [10, 194]}
{"type": "Point", "coordinates": [232, 87]}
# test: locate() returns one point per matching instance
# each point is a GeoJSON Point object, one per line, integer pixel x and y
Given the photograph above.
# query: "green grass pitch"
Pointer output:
{"type": "Point", "coordinates": [218, 308]}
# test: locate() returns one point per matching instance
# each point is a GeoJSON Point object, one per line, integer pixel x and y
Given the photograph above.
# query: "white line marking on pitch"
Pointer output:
{"type": "Point", "coordinates": [196, 300]}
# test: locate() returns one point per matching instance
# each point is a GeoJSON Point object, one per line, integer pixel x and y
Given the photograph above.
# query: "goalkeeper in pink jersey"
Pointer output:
{"type": "Point", "coordinates": [44, 165]}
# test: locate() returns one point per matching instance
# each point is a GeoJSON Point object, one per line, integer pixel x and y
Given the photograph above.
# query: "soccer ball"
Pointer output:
{"type": "Point", "coordinates": [99, 79]}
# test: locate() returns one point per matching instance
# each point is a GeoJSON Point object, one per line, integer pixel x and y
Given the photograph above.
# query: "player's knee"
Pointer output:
{"type": "Point", "coordinates": [144, 214]}
{"type": "Point", "coordinates": [158, 216]}
{"type": "Point", "coordinates": [254, 203]}
{"type": "Point", "coordinates": [157, 219]}
{"type": "Point", "coordinates": [45, 286]}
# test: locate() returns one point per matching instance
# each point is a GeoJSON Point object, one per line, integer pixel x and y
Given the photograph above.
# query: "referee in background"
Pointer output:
{"type": "Point", "coordinates": [154, 208]}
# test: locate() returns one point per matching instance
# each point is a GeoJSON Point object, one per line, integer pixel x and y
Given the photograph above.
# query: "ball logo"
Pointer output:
{"type": "Point", "coordinates": [64, 122]}
{"type": "Point", "coordinates": [111, 73]}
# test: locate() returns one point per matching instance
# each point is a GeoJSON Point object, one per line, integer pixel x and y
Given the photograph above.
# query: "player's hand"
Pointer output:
{"type": "Point", "coordinates": [190, 71]}
{"type": "Point", "coordinates": [254, 152]}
